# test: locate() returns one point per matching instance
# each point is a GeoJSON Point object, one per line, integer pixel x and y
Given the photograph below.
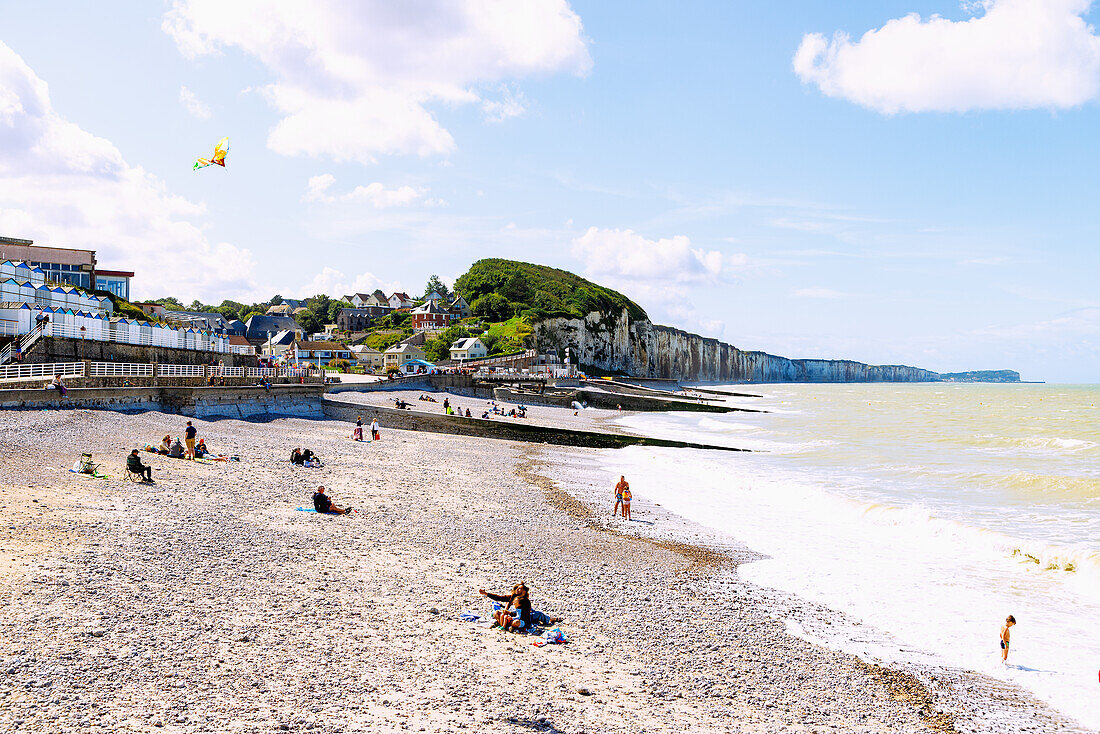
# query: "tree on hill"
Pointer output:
{"type": "Point", "coordinates": [536, 291]}
{"type": "Point", "coordinates": [169, 303]}
{"type": "Point", "coordinates": [437, 285]}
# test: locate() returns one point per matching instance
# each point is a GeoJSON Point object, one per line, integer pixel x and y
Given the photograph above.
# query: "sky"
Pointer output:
{"type": "Point", "coordinates": [896, 182]}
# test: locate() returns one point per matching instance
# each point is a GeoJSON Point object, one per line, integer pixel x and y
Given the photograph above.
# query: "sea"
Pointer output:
{"type": "Point", "coordinates": [925, 513]}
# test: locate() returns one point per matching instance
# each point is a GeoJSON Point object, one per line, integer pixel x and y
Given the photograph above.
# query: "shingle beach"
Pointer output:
{"type": "Point", "coordinates": [208, 603]}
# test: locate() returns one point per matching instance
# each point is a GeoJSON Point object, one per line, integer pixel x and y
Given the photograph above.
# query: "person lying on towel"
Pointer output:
{"type": "Point", "coordinates": [323, 504]}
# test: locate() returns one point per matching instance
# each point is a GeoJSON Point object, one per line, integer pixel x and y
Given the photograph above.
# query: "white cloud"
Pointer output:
{"type": "Point", "coordinates": [1018, 54]}
{"type": "Point", "coordinates": [512, 103]}
{"type": "Point", "coordinates": [660, 274]}
{"type": "Point", "coordinates": [335, 284]}
{"type": "Point", "coordinates": [354, 79]}
{"type": "Point", "coordinates": [824, 293]}
{"type": "Point", "coordinates": [375, 194]}
{"type": "Point", "coordinates": [193, 104]}
{"type": "Point", "coordinates": [63, 186]}
{"type": "Point", "coordinates": [627, 254]}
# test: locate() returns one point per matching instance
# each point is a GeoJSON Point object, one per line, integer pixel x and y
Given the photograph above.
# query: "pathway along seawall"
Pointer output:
{"type": "Point", "coordinates": [407, 420]}
{"type": "Point", "coordinates": [302, 401]}
{"type": "Point", "coordinates": [644, 349]}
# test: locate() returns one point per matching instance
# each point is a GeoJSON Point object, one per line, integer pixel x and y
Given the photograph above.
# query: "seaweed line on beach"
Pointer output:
{"type": "Point", "coordinates": [903, 687]}
{"type": "Point", "coordinates": [702, 559]}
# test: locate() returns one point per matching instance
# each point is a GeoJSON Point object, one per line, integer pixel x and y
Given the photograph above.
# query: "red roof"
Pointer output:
{"type": "Point", "coordinates": [239, 341]}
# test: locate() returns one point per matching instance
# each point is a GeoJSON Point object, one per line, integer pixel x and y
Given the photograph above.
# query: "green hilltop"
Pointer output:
{"type": "Point", "coordinates": [499, 289]}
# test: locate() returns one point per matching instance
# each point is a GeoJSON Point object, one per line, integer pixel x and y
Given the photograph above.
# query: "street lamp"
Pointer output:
{"type": "Point", "coordinates": [83, 351]}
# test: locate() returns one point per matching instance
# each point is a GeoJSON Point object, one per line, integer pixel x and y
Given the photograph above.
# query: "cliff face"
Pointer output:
{"type": "Point", "coordinates": [643, 349]}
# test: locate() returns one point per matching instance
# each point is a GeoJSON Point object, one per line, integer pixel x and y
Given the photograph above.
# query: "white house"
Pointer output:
{"type": "Point", "coordinates": [465, 350]}
{"type": "Point", "coordinates": [400, 300]}
{"type": "Point", "coordinates": [396, 356]}
{"type": "Point", "coordinates": [362, 300]}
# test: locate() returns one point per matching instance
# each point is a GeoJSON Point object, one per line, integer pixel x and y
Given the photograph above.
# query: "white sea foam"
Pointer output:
{"type": "Point", "coordinates": [883, 510]}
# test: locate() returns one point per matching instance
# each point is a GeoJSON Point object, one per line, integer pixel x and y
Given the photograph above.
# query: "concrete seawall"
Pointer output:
{"type": "Point", "coordinates": [407, 420]}
{"type": "Point", "coordinates": [200, 402]}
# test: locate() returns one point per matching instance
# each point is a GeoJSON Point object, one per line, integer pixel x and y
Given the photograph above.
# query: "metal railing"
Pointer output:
{"type": "Point", "coordinates": [181, 370]}
{"type": "Point", "coordinates": [119, 369]}
{"type": "Point", "coordinates": [51, 369]}
{"type": "Point", "coordinates": [138, 369]}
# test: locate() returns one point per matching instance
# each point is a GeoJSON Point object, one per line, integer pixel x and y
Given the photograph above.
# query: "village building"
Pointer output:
{"type": "Point", "coordinates": [239, 345]}
{"type": "Point", "coordinates": [460, 308]}
{"type": "Point", "coordinates": [361, 300]}
{"type": "Point", "coordinates": [259, 328]}
{"type": "Point", "coordinates": [397, 356]}
{"type": "Point", "coordinates": [429, 315]}
{"type": "Point", "coordinates": [359, 319]}
{"type": "Point", "coordinates": [151, 309]}
{"type": "Point", "coordinates": [434, 297]}
{"type": "Point", "coordinates": [400, 300]}
{"type": "Point", "coordinates": [315, 353]}
{"type": "Point", "coordinates": [468, 349]}
{"type": "Point", "coordinates": [68, 266]}
{"type": "Point", "coordinates": [367, 357]}
{"type": "Point", "coordinates": [274, 346]}
{"type": "Point", "coordinates": [210, 320]}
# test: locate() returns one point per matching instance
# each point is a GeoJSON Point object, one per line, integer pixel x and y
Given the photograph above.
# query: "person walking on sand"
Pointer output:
{"type": "Point", "coordinates": [627, 496]}
{"type": "Point", "coordinates": [1006, 637]}
{"type": "Point", "coordinates": [623, 484]}
{"type": "Point", "coordinates": [357, 434]}
{"type": "Point", "coordinates": [374, 430]}
{"type": "Point", "coordinates": [189, 439]}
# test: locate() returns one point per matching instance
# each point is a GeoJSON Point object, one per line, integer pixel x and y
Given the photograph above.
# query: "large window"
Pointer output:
{"type": "Point", "coordinates": [112, 284]}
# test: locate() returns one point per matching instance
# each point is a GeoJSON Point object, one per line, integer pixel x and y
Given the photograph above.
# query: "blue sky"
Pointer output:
{"type": "Point", "coordinates": [924, 194]}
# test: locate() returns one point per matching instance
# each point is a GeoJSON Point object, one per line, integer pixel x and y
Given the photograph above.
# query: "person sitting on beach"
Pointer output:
{"type": "Point", "coordinates": [323, 505]}
{"type": "Point", "coordinates": [1006, 637]}
{"type": "Point", "coordinates": [296, 457]}
{"type": "Point", "coordinates": [485, 415]}
{"type": "Point", "coordinates": [516, 614]}
{"type": "Point", "coordinates": [176, 451]}
{"type": "Point", "coordinates": [310, 459]}
{"type": "Point", "coordinates": [133, 463]}
{"type": "Point", "coordinates": [468, 413]}
{"type": "Point", "coordinates": [165, 446]}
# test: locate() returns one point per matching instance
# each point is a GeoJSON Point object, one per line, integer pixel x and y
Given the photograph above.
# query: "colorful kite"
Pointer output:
{"type": "Point", "coordinates": [218, 159]}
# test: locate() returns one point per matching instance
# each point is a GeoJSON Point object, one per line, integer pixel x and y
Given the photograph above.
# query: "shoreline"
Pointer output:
{"type": "Point", "coordinates": [207, 603]}
{"type": "Point", "coordinates": [948, 699]}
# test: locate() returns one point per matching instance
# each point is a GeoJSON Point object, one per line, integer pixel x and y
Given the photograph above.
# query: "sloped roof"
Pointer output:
{"type": "Point", "coordinates": [319, 346]}
{"type": "Point", "coordinates": [258, 326]}
{"type": "Point", "coordinates": [467, 343]}
{"type": "Point", "coordinates": [429, 307]}
{"type": "Point", "coordinates": [405, 348]}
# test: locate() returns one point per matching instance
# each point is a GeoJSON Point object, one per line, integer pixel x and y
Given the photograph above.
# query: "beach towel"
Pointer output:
{"type": "Point", "coordinates": [305, 509]}
{"type": "Point", "coordinates": [90, 476]}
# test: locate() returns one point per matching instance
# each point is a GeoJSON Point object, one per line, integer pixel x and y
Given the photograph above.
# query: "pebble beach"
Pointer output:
{"type": "Point", "coordinates": [207, 602]}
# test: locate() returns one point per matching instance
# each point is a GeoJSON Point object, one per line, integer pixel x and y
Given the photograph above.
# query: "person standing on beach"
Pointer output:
{"type": "Point", "coordinates": [1006, 637]}
{"type": "Point", "coordinates": [374, 430]}
{"type": "Point", "coordinates": [357, 434]}
{"type": "Point", "coordinates": [627, 496]}
{"type": "Point", "coordinates": [623, 484]}
{"type": "Point", "coordinates": [189, 434]}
